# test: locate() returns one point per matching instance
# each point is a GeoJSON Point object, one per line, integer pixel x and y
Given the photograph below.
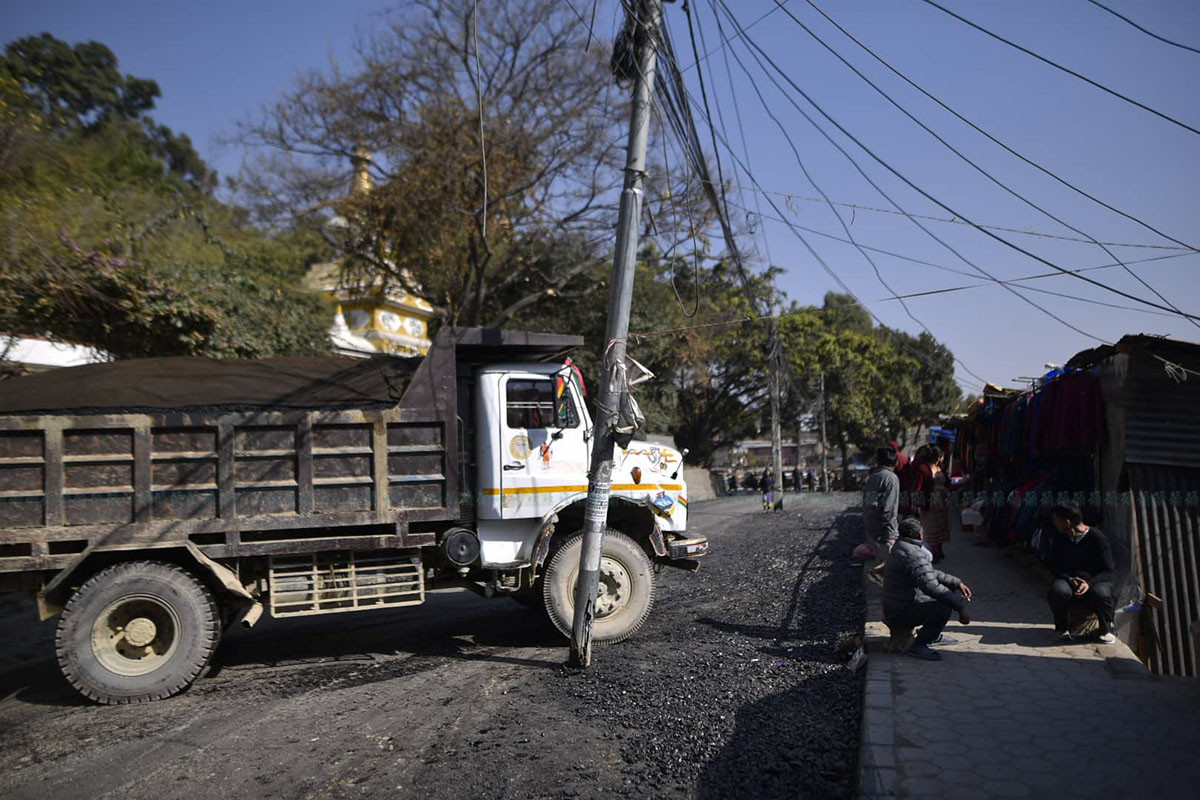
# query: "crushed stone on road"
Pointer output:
{"type": "Point", "coordinates": [732, 689]}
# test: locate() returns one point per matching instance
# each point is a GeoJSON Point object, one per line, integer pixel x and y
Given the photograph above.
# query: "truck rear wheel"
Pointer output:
{"type": "Point", "coordinates": [137, 631]}
{"type": "Point", "coordinates": [626, 591]}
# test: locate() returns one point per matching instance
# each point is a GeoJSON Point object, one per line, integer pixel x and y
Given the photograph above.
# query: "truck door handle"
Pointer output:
{"type": "Point", "coordinates": [508, 467]}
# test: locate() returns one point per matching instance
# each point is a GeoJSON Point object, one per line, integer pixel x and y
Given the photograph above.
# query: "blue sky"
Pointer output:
{"type": "Point", "coordinates": [219, 61]}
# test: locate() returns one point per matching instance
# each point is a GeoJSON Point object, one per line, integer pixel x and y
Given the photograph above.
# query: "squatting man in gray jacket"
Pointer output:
{"type": "Point", "coordinates": [915, 595]}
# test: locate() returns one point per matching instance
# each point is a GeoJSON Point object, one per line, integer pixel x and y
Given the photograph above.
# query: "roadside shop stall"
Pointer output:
{"type": "Point", "coordinates": [1116, 430]}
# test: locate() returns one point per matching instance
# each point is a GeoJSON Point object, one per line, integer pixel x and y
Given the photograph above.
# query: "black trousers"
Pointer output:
{"type": "Point", "coordinates": [927, 614]}
{"type": "Point", "coordinates": [1099, 596]}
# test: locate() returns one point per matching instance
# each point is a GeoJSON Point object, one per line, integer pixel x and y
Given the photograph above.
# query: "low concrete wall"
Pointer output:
{"type": "Point", "coordinates": [702, 484]}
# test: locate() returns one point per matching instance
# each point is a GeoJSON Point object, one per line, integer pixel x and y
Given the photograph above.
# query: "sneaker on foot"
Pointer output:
{"type": "Point", "coordinates": [1107, 638]}
{"type": "Point", "coordinates": [1062, 636]}
{"type": "Point", "coordinates": [923, 651]}
{"type": "Point", "coordinates": [944, 639]}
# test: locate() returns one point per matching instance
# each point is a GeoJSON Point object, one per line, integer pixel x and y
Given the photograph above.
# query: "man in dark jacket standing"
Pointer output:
{"type": "Point", "coordinates": [915, 595]}
{"type": "Point", "coordinates": [1082, 563]}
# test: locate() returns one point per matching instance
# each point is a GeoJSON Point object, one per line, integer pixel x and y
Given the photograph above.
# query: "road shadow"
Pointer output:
{"type": "Point", "coordinates": [830, 552]}
{"type": "Point", "coordinates": [803, 741]}
{"type": "Point", "coordinates": [457, 626]}
{"type": "Point", "coordinates": [447, 625]}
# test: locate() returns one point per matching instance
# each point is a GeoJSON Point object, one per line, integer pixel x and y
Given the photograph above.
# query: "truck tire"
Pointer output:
{"type": "Point", "coordinates": [626, 587]}
{"type": "Point", "coordinates": [137, 631]}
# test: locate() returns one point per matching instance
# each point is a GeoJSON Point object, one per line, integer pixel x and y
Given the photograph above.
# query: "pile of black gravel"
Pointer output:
{"type": "Point", "coordinates": [733, 688]}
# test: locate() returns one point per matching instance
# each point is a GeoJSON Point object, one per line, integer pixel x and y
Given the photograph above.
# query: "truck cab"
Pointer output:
{"type": "Point", "coordinates": [533, 449]}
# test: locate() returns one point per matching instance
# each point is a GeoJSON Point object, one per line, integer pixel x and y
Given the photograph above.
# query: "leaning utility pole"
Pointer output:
{"type": "Point", "coordinates": [824, 443]}
{"type": "Point", "coordinates": [595, 519]}
{"type": "Point", "coordinates": [776, 367]}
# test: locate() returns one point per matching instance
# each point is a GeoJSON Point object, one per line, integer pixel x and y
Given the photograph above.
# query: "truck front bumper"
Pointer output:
{"type": "Point", "coordinates": [687, 548]}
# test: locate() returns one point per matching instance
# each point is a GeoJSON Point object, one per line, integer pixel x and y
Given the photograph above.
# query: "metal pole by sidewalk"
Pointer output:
{"type": "Point", "coordinates": [776, 368]}
{"type": "Point", "coordinates": [824, 443]}
{"type": "Point", "coordinates": [616, 331]}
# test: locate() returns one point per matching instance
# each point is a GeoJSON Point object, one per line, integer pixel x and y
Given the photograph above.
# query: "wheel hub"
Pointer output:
{"type": "Point", "coordinates": [140, 631]}
{"type": "Point", "coordinates": [612, 594]}
{"type": "Point", "coordinates": [135, 635]}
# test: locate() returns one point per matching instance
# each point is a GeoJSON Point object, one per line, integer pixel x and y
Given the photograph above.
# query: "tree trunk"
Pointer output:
{"type": "Point", "coordinates": [845, 464]}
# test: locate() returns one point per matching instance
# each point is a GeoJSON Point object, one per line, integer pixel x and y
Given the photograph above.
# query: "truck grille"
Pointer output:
{"type": "Point", "coordinates": [327, 583]}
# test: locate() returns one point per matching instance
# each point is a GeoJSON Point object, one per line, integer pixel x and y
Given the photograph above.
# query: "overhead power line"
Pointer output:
{"type": "Point", "coordinates": [912, 185]}
{"type": "Point", "coordinates": [845, 228]}
{"type": "Point", "coordinates": [677, 112]}
{"type": "Point", "coordinates": [1149, 33]}
{"type": "Point", "coordinates": [944, 268]}
{"type": "Point", "coordinates": [1061, 68]}
{"type": "Point", "coordinates": [755, 51]}
{"type": "Point", "coordinates": [746, 153]}
{"type": "Point", "coordinates": [725, 43]}
{"type": "Point", "coordinates": [985, 133]}
{"type": "Point", "coordinates": [976, 166]}
{"type": "Point", "coordinates": [952, 221]}
{"type": "Point", "coordinates": [685, 100]}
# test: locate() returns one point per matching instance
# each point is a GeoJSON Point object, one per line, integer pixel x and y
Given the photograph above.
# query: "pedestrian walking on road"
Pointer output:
{"type": "Point", "coordinates": [766, 484]}
{"type": "Point", "coordinates": [1082, 563]}
{"type": "Point", "coordinates": [917, 596]}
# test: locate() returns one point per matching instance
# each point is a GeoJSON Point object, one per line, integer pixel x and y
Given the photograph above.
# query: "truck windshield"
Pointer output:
{"type": "Point", "coordinates": [532, 404]}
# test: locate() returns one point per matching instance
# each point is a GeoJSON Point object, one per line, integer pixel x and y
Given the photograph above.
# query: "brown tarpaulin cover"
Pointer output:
{"type": "Point", "coordinates": [195, 384]}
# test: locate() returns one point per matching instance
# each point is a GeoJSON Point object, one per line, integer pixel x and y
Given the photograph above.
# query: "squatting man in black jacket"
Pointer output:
{"type": "Point", "coordinates": [1082, 563]}
{"type": "Point", "coordinates": [915, 595]}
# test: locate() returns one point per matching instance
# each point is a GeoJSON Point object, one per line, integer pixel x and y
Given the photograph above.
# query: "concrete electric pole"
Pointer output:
{"type": "Point", "coordinates": [646, 26]}
{"type": "Point", "coordinates": [776, 367]}
{"type": "Point", "coordinates": [824, 443]}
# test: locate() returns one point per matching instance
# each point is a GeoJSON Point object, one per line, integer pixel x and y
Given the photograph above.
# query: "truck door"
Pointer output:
{"type": "Point", "coordinates": [543, 447]}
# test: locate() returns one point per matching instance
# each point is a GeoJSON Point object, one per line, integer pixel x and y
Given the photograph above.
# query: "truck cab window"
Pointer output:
{"type": "Point", "coordinates": [532, 404]}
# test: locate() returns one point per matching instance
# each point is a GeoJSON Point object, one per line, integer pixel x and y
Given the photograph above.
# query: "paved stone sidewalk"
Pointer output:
{"type": "Point", "coordinates": [1008, 713]}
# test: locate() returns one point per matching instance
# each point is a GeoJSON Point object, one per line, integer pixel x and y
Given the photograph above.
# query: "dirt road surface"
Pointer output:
{"type": "Point", "coordinates": [731, 689]}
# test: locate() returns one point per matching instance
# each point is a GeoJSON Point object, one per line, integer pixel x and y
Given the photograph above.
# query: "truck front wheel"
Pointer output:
{"type": "Point", "coordinates": [137, 631]}
{"type": "Point", "coordinates": [626, 591]}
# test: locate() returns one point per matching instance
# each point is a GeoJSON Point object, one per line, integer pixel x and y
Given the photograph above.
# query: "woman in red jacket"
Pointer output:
{"type": "Point", "coordinates": [929, 489]}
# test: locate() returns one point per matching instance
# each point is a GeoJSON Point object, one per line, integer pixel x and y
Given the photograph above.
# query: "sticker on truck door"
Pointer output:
{"type": "Point", "coordinates": [519, 446]}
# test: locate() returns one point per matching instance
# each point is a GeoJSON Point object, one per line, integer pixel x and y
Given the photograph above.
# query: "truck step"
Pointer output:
{"type": "Point", "coordinates": [328, 583]}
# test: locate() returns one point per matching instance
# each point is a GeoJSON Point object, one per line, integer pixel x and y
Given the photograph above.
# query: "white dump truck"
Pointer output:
{"type": "Point", "coordinates": [154, 502]}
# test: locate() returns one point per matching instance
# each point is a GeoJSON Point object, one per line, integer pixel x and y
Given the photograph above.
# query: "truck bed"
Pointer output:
{"type": "Point", "coordinates": [240, 479]}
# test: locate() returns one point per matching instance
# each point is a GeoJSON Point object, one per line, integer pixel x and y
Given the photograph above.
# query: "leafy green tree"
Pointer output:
{"type": "Point", "coordinates": [870, 383]}
{"type": "Point", "coordinates": [80, 88]}
{"type": "Point", "coordinates": [108, 235]}
{"type": "Point", "coordinates": [926, 383]}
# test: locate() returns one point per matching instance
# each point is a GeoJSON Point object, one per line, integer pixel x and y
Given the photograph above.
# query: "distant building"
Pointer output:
{"type": "Point", "coordinates": [752, 453]}
{"type": "Point", "coordinates": [34, 354]}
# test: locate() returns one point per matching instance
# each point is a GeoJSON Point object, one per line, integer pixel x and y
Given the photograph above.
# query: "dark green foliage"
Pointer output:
{"type": "Point", "coordinates": [71, 89]}
{"type": "Point", "coordinates": [109, 236]}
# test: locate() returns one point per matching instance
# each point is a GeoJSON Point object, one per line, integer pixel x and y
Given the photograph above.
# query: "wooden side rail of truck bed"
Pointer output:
{"type": "Point", "coordinates": [234, 485]}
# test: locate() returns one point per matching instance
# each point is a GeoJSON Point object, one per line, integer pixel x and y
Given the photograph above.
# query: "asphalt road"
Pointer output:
{"type": "Point", "coordinates": [731, 689]}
